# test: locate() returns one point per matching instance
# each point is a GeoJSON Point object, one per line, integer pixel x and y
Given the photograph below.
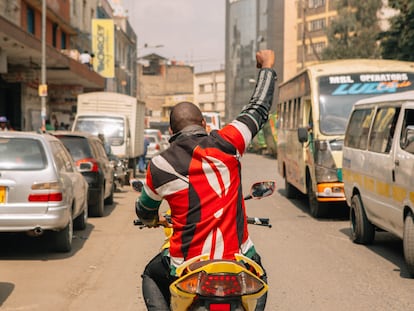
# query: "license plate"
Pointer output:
{"type": "Point", "coordinates": [2, 194]}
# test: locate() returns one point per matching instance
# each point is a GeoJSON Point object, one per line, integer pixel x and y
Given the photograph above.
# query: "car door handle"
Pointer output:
{"type": "Point", "coordinates": [397, 162]}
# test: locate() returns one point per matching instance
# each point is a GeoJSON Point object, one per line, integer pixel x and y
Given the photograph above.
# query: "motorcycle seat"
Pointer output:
{"type": "Point", "coordinates": [199, 264]}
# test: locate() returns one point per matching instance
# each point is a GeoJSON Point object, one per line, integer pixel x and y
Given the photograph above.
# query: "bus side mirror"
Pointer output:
{"type": "Point", "coordinates": [303, 134]}
{"type": "Point", "coordinates": [408, 140]}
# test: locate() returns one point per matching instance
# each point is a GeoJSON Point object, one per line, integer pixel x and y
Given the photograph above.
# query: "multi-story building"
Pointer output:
{"type": "Point", "coordinates": [68, 33]}
{"type": "Point", "coordinates": [125, 48]}
{"type": "Point", "coordinates": [162, 84]}
{"type": "Point", "coordinates": [21, 61]}
{"type": "Point", "coordinates": [251, 25]}
{"type": "Point", "coordinates": [313, 17]}
{"type": "Point", "coordinates": [209, 91]}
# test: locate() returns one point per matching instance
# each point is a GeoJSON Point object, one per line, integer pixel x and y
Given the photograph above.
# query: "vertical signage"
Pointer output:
{"type": "Point", "coordinates": [103, 47]}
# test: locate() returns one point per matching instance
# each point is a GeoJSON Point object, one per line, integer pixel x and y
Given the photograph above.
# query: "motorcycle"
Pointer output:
{"type": "Point", "coordinates": [206, 284]}
{"type": "Point", "coordinates": [120, 171]}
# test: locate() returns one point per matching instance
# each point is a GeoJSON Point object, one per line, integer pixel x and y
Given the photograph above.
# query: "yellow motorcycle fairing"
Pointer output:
{"type": "Point", "coordinates": [182, 300]}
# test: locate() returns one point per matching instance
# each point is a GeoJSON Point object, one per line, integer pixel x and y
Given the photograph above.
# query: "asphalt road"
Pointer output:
{"type": "Point", "coordinates": [311, 264]}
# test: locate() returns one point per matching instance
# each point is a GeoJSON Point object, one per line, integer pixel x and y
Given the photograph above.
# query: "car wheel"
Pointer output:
{"type": "Point", "coordinates": [80, 222]}
{"type": "Point", "coordinates": [408, 243]}
{"type": "Point", "coordinates": [317, 210]}
{"type": "Point", "coordinates": [97, 210]}
{"type": "Point", "coordinates": [362, 230]}
{"type": "Point", "coordinates": [110, 199]}
{"type": "Point", "coordinates": [63, 238]}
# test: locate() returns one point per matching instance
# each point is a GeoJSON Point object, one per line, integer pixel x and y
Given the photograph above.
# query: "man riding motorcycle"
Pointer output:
{"type": "Point", "coordinates": [200, 177]}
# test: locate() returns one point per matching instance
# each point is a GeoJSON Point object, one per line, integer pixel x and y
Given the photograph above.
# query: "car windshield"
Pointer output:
{"type": "Point", "coordinates": [78, 147]}
{"type": "Point", "coordinates": [151, 139]}
{"type": "Point", "coordinates": [21, 154]}
{"type": "Point", "coordinates": [112, 128]}
{"type": "Point", "coordinates": [337, 95]}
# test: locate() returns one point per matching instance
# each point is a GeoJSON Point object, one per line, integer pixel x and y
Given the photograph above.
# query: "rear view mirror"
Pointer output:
{"type": "Point", "coordinates": [262, 189]}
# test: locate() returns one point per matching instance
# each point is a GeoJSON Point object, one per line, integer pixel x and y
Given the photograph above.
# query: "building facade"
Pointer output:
{"type": "Point", "coordinates": [162, 84]}
{"type": "Point", "coordinates": [20, 75]}
{"type": "Point", "coordinates": [313, 18]}
{"type": "Point", "coordinates": [68, 33]}
{"type": "Point", "coordinates": [251, 25]}
{"type": "Point", "coordinates": [209, 91]}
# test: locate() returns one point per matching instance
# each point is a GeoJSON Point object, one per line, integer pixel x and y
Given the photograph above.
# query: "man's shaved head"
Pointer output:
{"type": "Point", "coordinates": [184, 114]}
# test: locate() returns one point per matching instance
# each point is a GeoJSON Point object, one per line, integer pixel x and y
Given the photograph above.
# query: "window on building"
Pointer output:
{"type": "Point", "coordinates": [63, 40]}
{"type": "Point", "coordinates": [152, 69]}
{"type": "Point", "coordinates": [30, 20]}
{"type": "Point", "coordinates": [315, 48]}
{"type": "Point", "coordinates": [317, 24]}
{"type": "Point", "coordinates": [54, 34]}
{"type": "Point", "coordinates": [315, 3]}
{"type": "Point", "coordinates": [201, 88]}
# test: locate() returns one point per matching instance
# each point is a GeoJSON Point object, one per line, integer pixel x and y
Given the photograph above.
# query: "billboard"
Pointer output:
{"type": "Point", "coordinates": [103, 47]}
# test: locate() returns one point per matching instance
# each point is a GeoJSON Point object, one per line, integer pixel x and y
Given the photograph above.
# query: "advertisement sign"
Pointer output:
{"type": "Point", "coordinates": [103, 47]}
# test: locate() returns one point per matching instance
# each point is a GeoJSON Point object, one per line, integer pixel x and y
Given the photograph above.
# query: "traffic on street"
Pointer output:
{"type": "Point", "coordinates": [311, 263]}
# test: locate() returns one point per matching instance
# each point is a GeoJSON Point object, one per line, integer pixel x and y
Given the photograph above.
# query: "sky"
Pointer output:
{"type": "Point", "coordinates": [191, 31]}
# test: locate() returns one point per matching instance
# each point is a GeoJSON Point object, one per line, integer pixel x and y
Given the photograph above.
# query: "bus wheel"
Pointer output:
{"type": "Point", "coordinates": [289, 190]}
{"type": "Point", "coordinates": [362, 231]}
{"type": "Point", "coordinates": [316, 209]}
{"type": "Point", "coordinates": [408, 243]}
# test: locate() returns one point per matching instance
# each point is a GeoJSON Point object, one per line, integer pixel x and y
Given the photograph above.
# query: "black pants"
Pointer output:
{"type": "Point", "coordinates": [156, 281]}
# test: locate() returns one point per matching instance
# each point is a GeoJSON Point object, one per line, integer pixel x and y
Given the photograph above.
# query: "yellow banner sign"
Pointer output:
{"type": "Point", "coordinates": [103, 47]}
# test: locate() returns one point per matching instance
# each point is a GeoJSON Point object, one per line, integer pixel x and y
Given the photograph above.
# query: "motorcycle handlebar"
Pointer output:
{"type": "Point", "coordinates": [250, 220]}
{"type": "Point", "coordinates": [259, 221]}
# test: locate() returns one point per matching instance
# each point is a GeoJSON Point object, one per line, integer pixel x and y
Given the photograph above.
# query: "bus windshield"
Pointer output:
{"type": "Point", "coordinates": [338, 93]}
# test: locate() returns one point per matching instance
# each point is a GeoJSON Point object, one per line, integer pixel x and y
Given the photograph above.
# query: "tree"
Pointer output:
{"type": "Point", "coordinates": [354, 32]}
{"type": "Point", "coordinates": [398, 41]}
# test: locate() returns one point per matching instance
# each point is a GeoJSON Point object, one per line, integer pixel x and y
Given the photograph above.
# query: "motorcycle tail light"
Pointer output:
{"type": "Point", "coordinates": [220, 285]}
{"type": "Point", "coordinates": [220, 307]}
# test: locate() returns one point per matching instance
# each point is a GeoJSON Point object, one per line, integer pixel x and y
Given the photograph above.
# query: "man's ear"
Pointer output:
{"type": "Point", "coordinates": [204, 123]}
{"type": "Point", "coordinates": [170, 131]}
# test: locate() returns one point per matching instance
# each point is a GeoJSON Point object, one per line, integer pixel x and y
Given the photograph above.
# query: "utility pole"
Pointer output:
{"type": "Point", "coordinates": [43, 85]}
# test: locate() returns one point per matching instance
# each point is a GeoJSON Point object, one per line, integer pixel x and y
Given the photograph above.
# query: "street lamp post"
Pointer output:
{"type": "Point", "coordinates": [43, 86]}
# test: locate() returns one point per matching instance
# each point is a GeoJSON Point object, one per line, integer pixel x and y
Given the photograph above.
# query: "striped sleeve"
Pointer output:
{"type": "Point", "coordinates": [256, 113]}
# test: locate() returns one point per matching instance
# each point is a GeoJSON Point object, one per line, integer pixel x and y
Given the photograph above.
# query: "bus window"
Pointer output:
{"type": "Point", "coordinates": [320, 99]}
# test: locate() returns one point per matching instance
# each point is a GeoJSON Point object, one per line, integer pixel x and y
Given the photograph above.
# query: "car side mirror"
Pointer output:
{"type": "Point", "coordinates": [303, 134]}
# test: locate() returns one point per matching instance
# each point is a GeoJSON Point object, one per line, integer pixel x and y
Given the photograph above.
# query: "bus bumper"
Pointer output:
{"type": "Point", "coordinates": [330, 192]}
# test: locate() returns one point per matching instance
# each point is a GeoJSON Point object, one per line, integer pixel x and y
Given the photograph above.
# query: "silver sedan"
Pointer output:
{"type": "Point", "coordinates": [40, 188]}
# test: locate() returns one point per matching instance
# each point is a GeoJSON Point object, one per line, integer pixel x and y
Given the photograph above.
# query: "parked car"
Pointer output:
{"type": "Point", "coordinates": [90, 157]}
{"type": "Point", "coordinates": [154, 137]}
{"type": "Point", "coordinates": [378, 163]}
{"type": "Point", "coordinates": [40, 188]}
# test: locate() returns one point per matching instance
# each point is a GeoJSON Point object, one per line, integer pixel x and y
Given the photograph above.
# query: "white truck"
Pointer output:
{"type": "Point", "coordinates": [119, 117]}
